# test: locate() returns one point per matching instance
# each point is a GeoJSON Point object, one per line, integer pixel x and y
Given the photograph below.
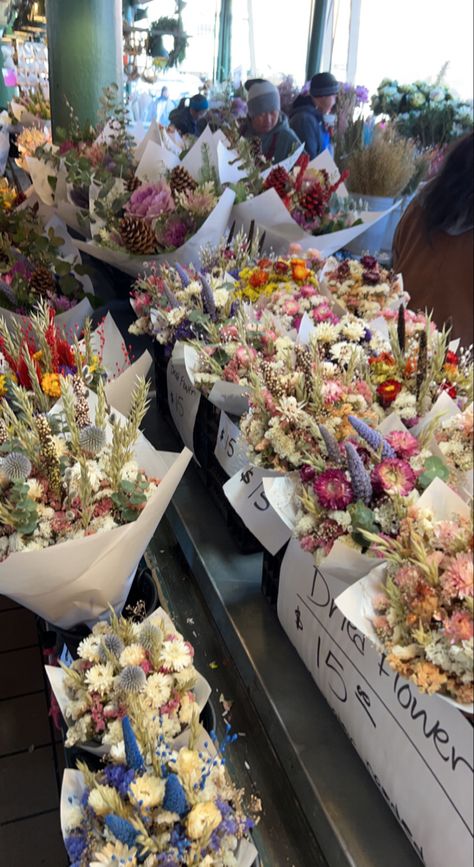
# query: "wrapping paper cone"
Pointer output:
{"type": "Point", "coordinates": [210, 232]}
{"type": "Point", "coordinates": [119, 391]}
{"type": "Point", "coordinates": [56, 677]}
{"type": "Point", "coordinates": [155, 162]}
{"type": "Point", "coordinates": [227, 396]}
{"type": "Point", "coordinates": [356, 603]}
{"type": "Point", "coordinates": [77, 580]}
{"type": "Point", "coordinates": [269, 214]}
{"type": "Point", "coordinates": [70, 323]}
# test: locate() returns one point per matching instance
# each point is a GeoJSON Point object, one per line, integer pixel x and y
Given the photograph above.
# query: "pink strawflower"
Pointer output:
{"type": "Point", "coordinates": [457, 579]}
{"type": "Point", "coordinates": [459, 627]}
{"type": "Point", "coordinates": [151, 200]}
{"type": "Point", "coordinates": [404, 443]}
{"type": "Point", "coordinates": [407, 578]}
{"type": "Point", "coordinates": [333, 489]}
{"type": "Point", "coordinates": [103, 507]}
{"type": "Point", "coordinates": [245, 356]}
{"type": "Point", "coordinates": [291, 308]}
{"type": "Point", "coordinates": [309, 544]}
{"type": "Point", "coordinates": [146, 666]}
{"type": "Point", "coordinates": [394, 476]}
{"type": "Point", "coordinates": [229, 332]}
{"type": "Point", "coordinates": [331, 391]}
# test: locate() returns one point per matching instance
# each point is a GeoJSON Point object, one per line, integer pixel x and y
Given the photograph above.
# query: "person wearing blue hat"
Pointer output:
{"type": "Point", "coordinates": [309, 112]}
{"type": "Point", "coordinates": [186, 117]}
{"type": "Point", "coordinates": [267, 123]}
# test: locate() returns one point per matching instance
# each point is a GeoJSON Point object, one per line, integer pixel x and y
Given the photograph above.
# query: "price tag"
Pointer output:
{"type": "Point", "coordinates": [245, 492]}
{"type": "Point", "coordinates": [230, 449]}
{"type": "Point", "coordinates": [183, 398]}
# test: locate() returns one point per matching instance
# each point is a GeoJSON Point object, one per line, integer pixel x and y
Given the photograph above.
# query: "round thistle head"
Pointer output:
{"type": "Point", "coordinates": [16, 467]}
{"type": "Point", "coordinates": [132, 679]}
{"type": "Point", "coordinates": [92, 439]}
{"type": "Point", "coordinates": [150, 637]}
{"type": "Point", "coordinates": [111, 644]}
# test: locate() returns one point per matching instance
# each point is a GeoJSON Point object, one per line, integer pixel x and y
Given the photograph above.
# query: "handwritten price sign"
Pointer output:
{"type": "Point", "coordinates": [417, 748]}
{"type": "Point", "coordinates": [230, 449]}
{"type": "Point", "coordinates": [245, 492]}
{"type": "Point", "coordinates": [183, 399]}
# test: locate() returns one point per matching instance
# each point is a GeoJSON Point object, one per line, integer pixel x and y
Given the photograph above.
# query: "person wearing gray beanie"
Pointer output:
{"type": "Point", "coordinates": [267, 122]}
{"type": "Point", "coordinates": [307, 117]}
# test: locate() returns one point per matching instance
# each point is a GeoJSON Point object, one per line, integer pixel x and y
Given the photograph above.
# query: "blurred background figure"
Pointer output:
{"type": "Point", "coordinates": [164, 106]}
{"type": "Point", "coordinates": [310, 113]}
{"type": "Point", "coordinates": [267, 123]}
{"type": "Point", "coordinates": [434, 243]}
{"type": "Point", "coordinates": [186, 117]}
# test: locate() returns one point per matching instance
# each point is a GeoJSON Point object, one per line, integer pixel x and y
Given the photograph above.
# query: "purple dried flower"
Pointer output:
{"type": "Point", "coordinates": [330, 442]}
{"type": "Point", "coordinates": [372, 437]}
{"type": "Point", "coordinates": [183, 275]}
{"type": "Point", "coordinates": [360, 479]}
{"type": "Point", "coordinates": [208, 297]}
{"type": "Point", "coordinates": [173, 234]}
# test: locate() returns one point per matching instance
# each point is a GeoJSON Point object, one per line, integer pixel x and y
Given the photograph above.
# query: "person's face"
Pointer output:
{"type": "Point", "coordinates": [325, 103]}
{"type": "Point", "coordinates": [263, 123]}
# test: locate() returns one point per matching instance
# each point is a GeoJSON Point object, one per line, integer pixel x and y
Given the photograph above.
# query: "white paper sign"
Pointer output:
{"type": "Point", "coordinates": [183, 397]}
{"type": "Point", "coordinates": [417, 748]}
{"type": "Point", "coordinates": [230, 450]}
{"type": "Point", "coordinates": [246, 494]}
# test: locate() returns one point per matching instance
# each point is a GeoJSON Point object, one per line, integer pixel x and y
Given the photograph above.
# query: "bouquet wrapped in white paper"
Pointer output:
{"type": "Point", "coordinates": [82, 496]}
{"type": "Point", "coordinates": [162, 806]}
{"type": "Point", "coordinates": [270, 212]}
{"type": "Point", "coordinates": [124, 666]}
{"type": "Point", "coordinates": [417, 606]}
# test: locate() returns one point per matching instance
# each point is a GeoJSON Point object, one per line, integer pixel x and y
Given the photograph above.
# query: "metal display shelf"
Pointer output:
{"type": "Point", "coordinates": [343, 808]}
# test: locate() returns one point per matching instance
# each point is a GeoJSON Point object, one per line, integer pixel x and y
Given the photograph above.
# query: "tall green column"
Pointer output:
{"type": "Point", "coordinates": [225, 41]}
{"type": "Point", "coordinates": [85, 55]}
{"type": "Point", "coordinates": [316, 37]}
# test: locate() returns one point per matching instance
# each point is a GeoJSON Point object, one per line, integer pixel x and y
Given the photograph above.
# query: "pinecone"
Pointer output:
{"type": "Point", "coordinates": [279, 180]}
{"type": "Point", "coordinates": [181, 181]}
{"type": "Point", "coordinates": [133, 184]}
{"type": "Point", "coordinates": [42, 281]}
{"type": "Point", "coordinates": [313, 202]}
{"type": "Point", "coordinates": [137, 235]}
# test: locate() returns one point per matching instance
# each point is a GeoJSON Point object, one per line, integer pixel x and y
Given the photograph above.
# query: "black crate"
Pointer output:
{"type": "Point", "coordinates": [271, 574]}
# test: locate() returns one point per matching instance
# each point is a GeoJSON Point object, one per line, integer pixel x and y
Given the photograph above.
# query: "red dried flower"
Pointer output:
{"type": "Point", "coordinates": [388, 391]}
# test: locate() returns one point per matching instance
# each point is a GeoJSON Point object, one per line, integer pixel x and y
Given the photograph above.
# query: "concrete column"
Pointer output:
{"type": "Point", "coordinates": [85, 55]}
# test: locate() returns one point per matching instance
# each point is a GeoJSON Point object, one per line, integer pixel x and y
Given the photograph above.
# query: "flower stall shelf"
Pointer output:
{"type": "Point", "coordinates": [160, 805]}
{"type": "Point", "coordinates": [124, 667]}
{"type": "Point", "coordinates": [83, 487]}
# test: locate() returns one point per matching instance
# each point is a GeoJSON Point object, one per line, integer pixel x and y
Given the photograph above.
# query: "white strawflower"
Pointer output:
{"type": "Point", "coordinates": [175, 654]}
{"type": "Point", "coordinates": [147, 791]}
{"type": "Point", "coordinates": [176, 316]}
{"type": "Point", "coordinates": [221, 298]}
{"type": "Point", "coordinates": [158, 688]}
{"type": "Point", "coordinates": [97, 800]}
{"type": "Point", "coordinates": [134, 654]}
{"type": "Point", "coordinates": [35, 489]}
{"type": "Point", "coordinates": [89, 648]}
{"type": "Point", "coordinates": [100, 678]}
{"type": "Point", "coordinates": [326, 332]}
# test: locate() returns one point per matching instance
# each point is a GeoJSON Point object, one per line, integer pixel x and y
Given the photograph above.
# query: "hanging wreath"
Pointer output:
{"type": "Point", "coordinates": [167, 26]}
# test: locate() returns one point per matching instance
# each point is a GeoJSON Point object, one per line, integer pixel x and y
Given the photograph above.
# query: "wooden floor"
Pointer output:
{"type": "Point", "coordinates": [31, 751]}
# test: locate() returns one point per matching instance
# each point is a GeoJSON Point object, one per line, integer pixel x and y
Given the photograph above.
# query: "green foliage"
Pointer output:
{"type": "Point", "coordinates": [362, 521]}
{"type": "Point", "coordinates": [129, 498]}
{"type": "Point", "coordinates": [433, 468]}
{"type": "Point", "coordinates": [18, 510]}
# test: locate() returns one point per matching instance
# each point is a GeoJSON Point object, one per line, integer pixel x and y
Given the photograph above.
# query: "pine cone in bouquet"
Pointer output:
{"type": "Point", "coordinates": [279, 180]}
{"type": "Point", "coordinates": [42, 281]}
{"type": "Point", "coordinates": [137, 235]}
{"type": "Point", "coordinates": [181, 181]}
{"type": "Point", "coordinates": [313, 201]}
{"type": "Point", "coordinates": [132, 184]}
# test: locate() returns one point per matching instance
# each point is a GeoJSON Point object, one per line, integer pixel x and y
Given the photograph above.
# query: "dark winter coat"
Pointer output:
{"type": "Point", "coordinates": [183, 120]}
{"type": "Point", "coordinates": [276, 144]}
{"type": "Point", "coordinates": [308, 124]}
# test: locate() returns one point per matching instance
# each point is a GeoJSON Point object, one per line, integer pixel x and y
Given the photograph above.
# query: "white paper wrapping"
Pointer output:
{"type": "Point", "coordinates": [119, 391]}
{"type": "Point", "coordinates": [231, 448]}
{"type": "Point", "coordinates": [76, 581]}
{"type": "Point", "coordinates": [210, 232]}
{"type": "Point", "coordinates": [56, 677]}
{"type": "Point", "coordinates": [417, 748]}
{"type": "Point", "coordinates": [155, 162]}
{"type": "Point", "coordinates": [183, 397]}
{"type": "Point", "coordinates": [246, 494]}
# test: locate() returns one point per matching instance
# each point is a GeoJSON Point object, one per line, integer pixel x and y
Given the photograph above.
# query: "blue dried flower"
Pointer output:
{"type": "Point", "coordinates": [360, 479]}
{"type": "Point", "coordinates": [121, 829]}
{"type": "Point", "coordinates": [175, 799]}
{"type": "Point", "coordinates": [132, 750]}
{"type": "Point", "coordinates": [183, 275]}
{"type": "Point", "coordinates": [75, 845]}
{"type": "Point", "coordinates": [132, 678]}
{"type": "Point", "coordinates": [330, 442]}
{"type": "Point", "coordinates": [16, 467]}
{"type": "Point", "coordinates": [111, 643]}
{"type": "Point", "coordinates": [372, 437]}
{"type": "Point", "coordinates": [120, 777]}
